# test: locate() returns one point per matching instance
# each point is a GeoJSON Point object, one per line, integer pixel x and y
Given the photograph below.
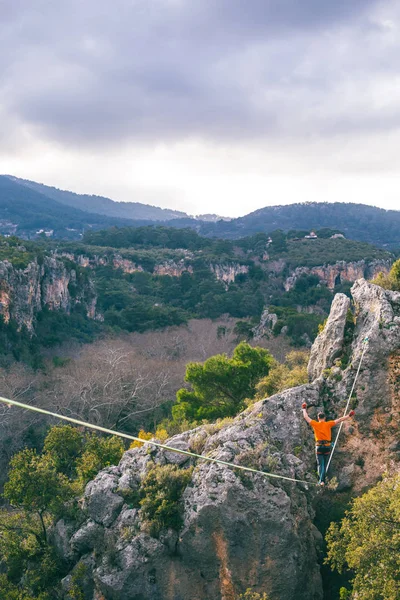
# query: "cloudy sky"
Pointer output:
{"type": "Point", "coordinates": [204, 105]}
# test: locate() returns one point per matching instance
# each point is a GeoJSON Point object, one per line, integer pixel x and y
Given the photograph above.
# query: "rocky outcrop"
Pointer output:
{"type": "Point", "coordinates": [126, 265]}
{"type": "Point", "coordinates": [248, 530]}
{"type": "Point", "coordinates": [173, 268]}
{"type": "Point", "coordinates": [51, 284]}
{"type": "Point", "coordinates": [227, 273]}
{"type": "Point", "coordinates": [371, 448]}
{"type": "Point", "coordinates": [267, 322]}
{"type": "Point", "coordinates": [332, 275]}
{"type": "Point", "coordinates": [329, 344]}
{"type": "Point", "coordinates": [239, 531]}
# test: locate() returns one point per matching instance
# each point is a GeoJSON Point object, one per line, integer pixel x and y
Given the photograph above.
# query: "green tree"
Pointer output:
{"type": "Point", "coordinates": [99, 453]}
{"type": "Point", "coordinates": [38, 488]}
{"type": "Point", "coordinates": [35, 486]}
{"type": "Point", "coordinates": [367, 542]}
{"type": "Point", "coordinates": [278, 238]}
{"type": "Point", "coordinates": [221, 384]}
{"type": "Point", "coordinates": [65, 444]}
{"type": "Point", "coordinates": [10, 591]}
{"type": "Point", "coordinates": [31, 563]}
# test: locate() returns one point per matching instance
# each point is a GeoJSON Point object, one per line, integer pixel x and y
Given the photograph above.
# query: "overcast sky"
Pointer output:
{"type": "Point", "coordinates": [204, 105]}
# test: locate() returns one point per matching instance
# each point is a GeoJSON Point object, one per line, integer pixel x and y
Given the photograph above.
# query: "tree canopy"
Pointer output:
{"type": "Point", "coordinates": [219, 386]}
{"type": "Point", "coordinates": [367, 542]}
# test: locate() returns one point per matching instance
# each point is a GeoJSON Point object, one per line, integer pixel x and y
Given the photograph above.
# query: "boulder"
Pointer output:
{"type": "Point", "coordinates": [103, 504]}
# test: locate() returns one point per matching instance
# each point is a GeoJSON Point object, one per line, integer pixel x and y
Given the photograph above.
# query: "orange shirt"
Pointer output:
{"type": "Point", "coordinates": [322, 429]}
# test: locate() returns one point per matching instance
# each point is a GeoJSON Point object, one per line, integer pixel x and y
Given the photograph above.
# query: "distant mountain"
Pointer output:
{"type": "Point", "coordinates": [212, 218]}
{"type": "Point", "coordinates": [26, 206]}
{"type": "Point", "coordinates": [101, 205]}
{"type": "Point", "coordinates": [357, 221]}
{"type": "Point", "coordinates": [25, 212]}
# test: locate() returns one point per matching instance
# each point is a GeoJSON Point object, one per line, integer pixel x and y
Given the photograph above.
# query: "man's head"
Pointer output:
{"type": "Point", "coordinates": [321, 416]}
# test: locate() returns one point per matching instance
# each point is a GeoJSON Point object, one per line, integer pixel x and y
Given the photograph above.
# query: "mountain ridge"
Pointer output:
{"type": "Point", "coordinates": [357, 221]}
{"type": "Point", "coordinates": [102, 205]}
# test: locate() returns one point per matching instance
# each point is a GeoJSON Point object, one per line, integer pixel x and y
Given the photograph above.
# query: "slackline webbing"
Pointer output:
{"type": "Point", "coordinates": [150, 442]}
{"type": "Point", "coordinates": [365, 342]}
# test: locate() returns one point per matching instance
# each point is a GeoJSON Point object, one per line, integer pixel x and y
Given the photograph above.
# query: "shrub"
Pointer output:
{"type": "Point", "coordinates": [390, 281]}
{"type": "Point", "coordinates": [253, 458]}
{"type": "Point", "coordinates": [143, 435]}
{"type": "Point", "coordinates": [65, 443]}
{"type": "Point", "coordinates": [249, 595]}
{"type": "Point", "coordinates": [99, 453]}
{"type": "Point", "coordinates": [161, 434]}
{"type": "Point", "coordinates": [284, 376]}
{"type": "Point", "coordinates": [161, 492]}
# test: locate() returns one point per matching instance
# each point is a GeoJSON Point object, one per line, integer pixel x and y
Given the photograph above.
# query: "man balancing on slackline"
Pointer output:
{"type": "Point", "coordinates": [323, 438]}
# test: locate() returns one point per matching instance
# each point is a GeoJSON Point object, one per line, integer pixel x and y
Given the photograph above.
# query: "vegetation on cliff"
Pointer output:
{"type": "Point", "coordinates": [390, 281]}
{"type": "Point", "coordinates": [367, 543]}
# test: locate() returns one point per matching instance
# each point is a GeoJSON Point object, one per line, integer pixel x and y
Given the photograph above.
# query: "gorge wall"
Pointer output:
{"type": "Point", "coordinates": [340, 271]}
{"type": "Point", "coordinates": [51, 284]}
{"type": "Point", "coordinates": [242, 530]}
{"type": "Point", "coordinates": [63, 281]}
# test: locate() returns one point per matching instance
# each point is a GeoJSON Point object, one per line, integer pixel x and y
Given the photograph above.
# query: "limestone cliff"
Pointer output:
{"type": "Point", "coordinates": [50, 283]}
{"type": "Point", "coordinates": [339, 272]}
{"type": "Point", "coordinates": [225, 272]}
{"type": "Point", "coordinates": [238, 531]}
{"type": "Point", "coordinates": [371, 446]}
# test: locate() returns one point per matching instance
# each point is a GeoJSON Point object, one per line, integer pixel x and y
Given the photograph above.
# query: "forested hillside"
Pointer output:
{"type": "Point", "coordinates": [27, 206]}
{"type": "Point", "coordinates": [26, 212]}
{"type": "Point", "coordinates": [357, 221]}
{"type": "Point", "coordinates": [101, 205]}
{"type": "Point", "coordinates": [138, 279]}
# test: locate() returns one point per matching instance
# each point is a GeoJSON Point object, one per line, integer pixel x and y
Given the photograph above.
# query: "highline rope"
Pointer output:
{"type": "Point", "coordinates": [365, 342]}
{"type": "Point", "coordinates": [150, 442]}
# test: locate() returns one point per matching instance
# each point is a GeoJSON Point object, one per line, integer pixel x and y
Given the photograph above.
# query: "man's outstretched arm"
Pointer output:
{"type": "Point", "coordinates": [341, 419]}
{"type": "Point", "coordinates": [305, 414]}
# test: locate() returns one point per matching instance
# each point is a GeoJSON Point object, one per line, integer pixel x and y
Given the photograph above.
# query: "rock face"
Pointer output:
{"type": "Point", "coordinates": [51, 284]}
{"type": "Point", "coordinates": [173, 268]}
{"type": "Point", "coordinates": [249, 530]}
{"type": "Point", "coordinates": [371, 448]}
{"type": "Point", "coordinates": [329, 344]}
{"type": "Point", "coordinates": [339, 272]}
{"type": "Point", "coordinates": [228, 273]}
{"type": "Point", "coordinates": [239, 530]}
{"type": "Point", "coordinates": [267, 322]}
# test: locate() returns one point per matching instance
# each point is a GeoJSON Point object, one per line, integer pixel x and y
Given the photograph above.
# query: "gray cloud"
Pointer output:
{"type": "Point", "coordinates": [96, 72]}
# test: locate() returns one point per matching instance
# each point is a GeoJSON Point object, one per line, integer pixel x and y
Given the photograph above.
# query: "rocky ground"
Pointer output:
{"type": "Point", "coordinates": [248, 530]}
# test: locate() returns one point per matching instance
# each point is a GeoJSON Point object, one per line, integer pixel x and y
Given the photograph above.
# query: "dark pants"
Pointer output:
{"type": "Point", "coordinates": [322, 453]}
